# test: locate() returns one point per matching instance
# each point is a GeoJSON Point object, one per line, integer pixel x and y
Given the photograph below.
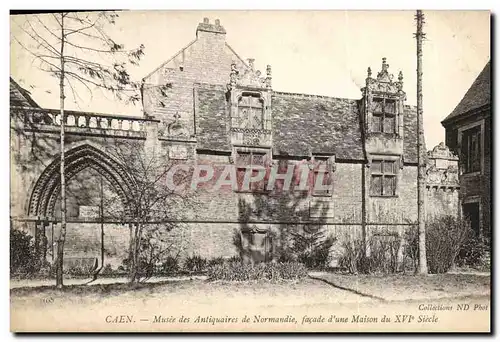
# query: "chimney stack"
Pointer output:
{"type": "Point", "coordinates": [206, 28]}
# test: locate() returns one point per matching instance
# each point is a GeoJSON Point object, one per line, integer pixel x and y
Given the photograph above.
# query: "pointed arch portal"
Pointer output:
{"type": "Point", "coordinates": [48, 186]}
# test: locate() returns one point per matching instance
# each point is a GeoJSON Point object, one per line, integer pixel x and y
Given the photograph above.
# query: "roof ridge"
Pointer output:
{"type": "Point", "coordinates": [314, 96]}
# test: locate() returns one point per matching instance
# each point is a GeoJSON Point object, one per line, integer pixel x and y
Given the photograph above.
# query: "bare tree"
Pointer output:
{"type": "Point", "coordinates": [76, 49]}
{"type": "Point", "coordinates": [153, 202]}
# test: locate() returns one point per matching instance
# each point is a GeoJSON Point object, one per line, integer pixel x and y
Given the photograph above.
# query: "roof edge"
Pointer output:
{"type": "Point", "coordinates": [170, 59]}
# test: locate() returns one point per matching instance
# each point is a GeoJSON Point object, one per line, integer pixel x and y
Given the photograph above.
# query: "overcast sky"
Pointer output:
{"type": "Point", "coordinates": [314, 52]}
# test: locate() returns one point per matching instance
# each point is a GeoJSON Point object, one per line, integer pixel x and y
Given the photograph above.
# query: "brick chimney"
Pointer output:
{"type": "Point", "coordinates": [207, 29]}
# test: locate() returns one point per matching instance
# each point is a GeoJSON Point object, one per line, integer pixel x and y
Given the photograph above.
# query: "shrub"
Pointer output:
{"type": "Point", "coordinates": [195, 263]}
{"type": "Point", "coordinates": [77, 270]}
{"type": "Point", "coordinates": [472, 252]}
{"type": "Point", "coordinates": [383, 256]}
{"type": "Point", "coordinates": [410, 251]}
{"type": "Point", "coordinates": [237, 271]}
{"type": "Point", "coordinates": [107, 270]}
{"type": "Point", "coordinates": [312, 248]}
{"type": "Point", "coordinates": [170, 265]}
{"type": "Point", "coordinates": [444, 238]}
{"type": "Point", "coordinates": [215, 261]}
{"type": "Point", "coordinates": [22, 258]}
{"type": "Point", "coordinates": [352, 258]}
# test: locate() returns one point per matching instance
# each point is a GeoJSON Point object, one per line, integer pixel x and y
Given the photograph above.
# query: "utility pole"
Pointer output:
{"type": "Point", "coordinates": [422, 255]}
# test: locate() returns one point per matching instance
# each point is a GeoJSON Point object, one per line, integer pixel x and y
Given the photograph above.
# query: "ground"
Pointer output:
{"type": "Point", "coordinates": [151, 305]}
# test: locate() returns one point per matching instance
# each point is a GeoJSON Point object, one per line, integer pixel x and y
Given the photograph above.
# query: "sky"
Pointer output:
{"type": "Point", "coordinates": [313, 52]}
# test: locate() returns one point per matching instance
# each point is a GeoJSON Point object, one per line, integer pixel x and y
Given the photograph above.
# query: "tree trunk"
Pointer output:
{"type": "Point", "coordinates": [62, 235]}
{"type": "Point", "coordinates": [134, 253]}
{"type": "Point", "coordinates": [422, 255]}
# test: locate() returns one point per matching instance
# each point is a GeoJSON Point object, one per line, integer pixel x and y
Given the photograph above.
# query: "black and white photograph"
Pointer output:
{"type": "Point", "coordinates": [250, 171]}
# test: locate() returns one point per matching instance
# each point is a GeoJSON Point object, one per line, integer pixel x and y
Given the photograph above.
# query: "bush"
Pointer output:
{"type": "Point", "coordinates": [444, 238]}
{"type": "Point", "coordinates": [472, 252]}
{"type": "Point", "coordinates": [352, 258]}
{"type": "Point", "coordinates": [77, 270]}
{"type": "Point", "coordinates": [170, 265]}
{"type": "Point", "coordinates": [107, 270]}
{"type": "Point", "coordinates": [237, 271]}
{"type": "Point", "coordinates": [22, 258]}
{"type": "Point", "coordinates": [383, 256]}
{"type": "Point", "coordinates": [410, 251]}
{"type": "Point", "coordinates": [312, 248]}
{"type": "Point", "coordinates": [195, 264]}
{"type": "Point", "coordinates": [215, 261]}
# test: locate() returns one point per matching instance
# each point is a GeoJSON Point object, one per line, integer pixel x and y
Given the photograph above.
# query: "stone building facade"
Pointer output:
{"type": "Point", "coordinates": [468, 134]}
{"type": "Point", "coordinates": [208, 106]}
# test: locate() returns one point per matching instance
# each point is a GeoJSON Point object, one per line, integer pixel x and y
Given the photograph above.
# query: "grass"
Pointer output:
{"type": "Point", "coordinates": [404, 287]}
{"type": "Point", "coordinates": [82, 308]}
{"type": "Point", "coordinates": [326, 286]}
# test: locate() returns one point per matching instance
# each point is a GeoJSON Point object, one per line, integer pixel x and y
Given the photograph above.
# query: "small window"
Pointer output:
{"type": "Point", "coordinates": [383, 178]}
{"type": "Point", "coordinates": [471, 150]}
{"type": "Point", "coordinates": [323, 165]}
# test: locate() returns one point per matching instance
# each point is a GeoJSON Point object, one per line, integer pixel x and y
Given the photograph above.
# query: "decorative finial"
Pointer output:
{"type": "Point", "coordinates": [217, 22]}
{"type": "Point", "coordinates": [385, 66]}
{"type": "Point", "coordinates": [268, 78]}
{"type": "Point", "coordinates": [206, 21]}
{"type": "Point", "coordinates": [250, 63]}
{"type": "Point", "coordinates": [400, 76]}
{"type": "Point", "coordinates": [369, 72]}
{"type": "Point", "coordinates": [233, 75]}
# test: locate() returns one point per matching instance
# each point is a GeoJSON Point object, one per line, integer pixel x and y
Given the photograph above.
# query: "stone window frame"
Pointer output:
{"type": "Point", "coordinates": [383, 115]}
{"type": "Point", "coordinates": [460, 132]}
{"type": "Point", "coordinates": [330, 164]}
{"type": "Point", "coordinates": [265, 152]}
{"type": "Point", "coordinates": [260, 98]}
{"type": "Point", "coordinates": [397, 166]}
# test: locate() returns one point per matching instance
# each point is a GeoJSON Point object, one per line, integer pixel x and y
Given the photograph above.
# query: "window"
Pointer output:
{"type": "Point", "coordinates": [253, 162]}
{"type": "Point", "coordinates": [383, 180]}
{"type": "Point", "coordinates": [384, 116]}
{"type": "Point", "coordinates": [471, 149]}
{"type": "Point", "coordinates": [250, 112]}
{"type": "Point", "coordinates": [471, 213]}
{"type": "Point", "coordinates": [323, 165]}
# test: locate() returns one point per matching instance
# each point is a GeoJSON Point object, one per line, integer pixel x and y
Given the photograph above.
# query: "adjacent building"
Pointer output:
{"type": "Point", "coordinates": [468, 134]}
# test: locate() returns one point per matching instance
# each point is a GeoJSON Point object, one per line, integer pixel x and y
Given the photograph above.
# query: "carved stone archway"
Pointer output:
{"type": "Point", "coordinates": [47, 188]}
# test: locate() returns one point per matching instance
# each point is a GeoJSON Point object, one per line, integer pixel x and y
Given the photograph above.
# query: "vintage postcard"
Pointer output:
{"type": "Point", "coordinates": [250, 171]}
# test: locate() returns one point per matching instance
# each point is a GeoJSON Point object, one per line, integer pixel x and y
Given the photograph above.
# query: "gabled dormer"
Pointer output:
{"type": "Point", "coordinates": [382, 112]}
{"type": "Point", "coordinates": [249, 97]}
{"type": "Point", "coordinates": [383, 103]}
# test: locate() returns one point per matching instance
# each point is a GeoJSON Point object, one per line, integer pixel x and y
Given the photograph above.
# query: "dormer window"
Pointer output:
{"type": "Point", "coordinates": [384, 116]}
{"type": "Point", "coordinates": [250, 112]}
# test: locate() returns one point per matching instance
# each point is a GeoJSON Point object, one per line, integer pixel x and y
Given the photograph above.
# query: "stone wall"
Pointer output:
{"type": "Point", "coordinates": [207, 59]}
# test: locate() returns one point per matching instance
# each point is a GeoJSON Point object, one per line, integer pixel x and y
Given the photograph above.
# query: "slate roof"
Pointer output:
{"type": "Point", "coordinates": [20, 96]}
{"type": "Point", "coordinates": [302, 124]}
{"type": "Point", "coordinates": [478, 95]}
